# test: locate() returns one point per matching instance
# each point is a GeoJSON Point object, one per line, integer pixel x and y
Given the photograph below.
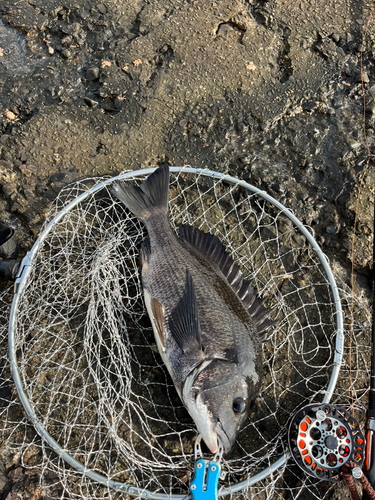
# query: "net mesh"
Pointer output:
{"type": "Point", "coordinates": [90, 367]}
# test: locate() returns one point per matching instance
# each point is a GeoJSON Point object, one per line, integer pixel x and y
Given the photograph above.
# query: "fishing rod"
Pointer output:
{"type": "Point", "coordinates": [369, 465]}
{"type": "Point", "coordinates": [316, 446]}
{"type": "Point", "coordinates": [326, 441]}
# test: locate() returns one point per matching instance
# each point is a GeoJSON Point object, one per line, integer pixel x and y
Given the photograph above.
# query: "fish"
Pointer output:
{"type": "Point", "coordinates": [207, 319]}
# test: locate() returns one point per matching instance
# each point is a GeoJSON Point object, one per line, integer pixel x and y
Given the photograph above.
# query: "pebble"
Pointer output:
{"type": "Point", "coordinates": [336, 37]}
{"type": "Point", "coordinates": [5, 164]}
{"type": "Point", "coordinates": [26, 171]}
{"type": "Point", "coordinates": [245, 159]}
{"type": "Point", "coordinates": [4, 139]}
{"type": "Point", "coordinates": [92, 73]}
{"type": "Point", "coordinates": [299, 239]}
{"type": "Point", "coordinates": [354, 145]}
{"type": "Point", "coordinates": [10, 115]}
{"type": "Point", "coordinates": [8, 189]}
{"type": "Point", "coordinates": [332, 229]}
{"type": "Point", "coordinates": [90, 102]}
{"type": "Point", "coordinates": [309, 106]}
{"type": "Point", "coordinates": [20, 205]}
{"type": "Point", "coordinates": [17, 475]}
{"type": "Point", "coordinates": [117, 103]}
{"type": "Point", "coordinates": [102, 8]}
{"type": "Point", "coordinates": [67, 40]}
{"type": "Point", "coordinates": [84, 14]}
{"type": "Point", "coordinates": [66, 54]}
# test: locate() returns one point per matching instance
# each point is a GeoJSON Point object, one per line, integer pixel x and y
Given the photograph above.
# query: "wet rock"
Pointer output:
{"type": "Point", "coordinates": [332, 229]}
{"type": "Point", "coordinates": [117, 102]}
{"type": "Point", "coordinates": [245, 159]}
{"type": "Point", "coordinates": [67, 40]}
{"type": "Point", "coordinates": [299, 239]}
{"type": "Point", "coordinates": [5, 165]}
{"type": "Point", "coordinates": [8, 189]}
{"type": "Point", "coordinates": [16, 475]}
{"type": "Point", "coordinates": [101, 8]}
{"type": "Point", "coordinates": [90, 102]}
{"type": "Point", "coordinates": [309, 105]}
{"type": "Point", "coordinates": [71, 29]}
{"type": "Point", "coordinates": [66, 54]}
{"type": "Point", "coordinates": [3, 477]}
{"type": "Point", "coordinates": [4, 139]}
{"type": "Point", "coordinates": [365, 77]}
{"type": "Point", "coordinates": [92, 73]}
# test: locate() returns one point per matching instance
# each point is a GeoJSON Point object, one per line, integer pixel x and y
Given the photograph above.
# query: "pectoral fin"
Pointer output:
{"type": "Point", "coordinates": [184, 321]}
{"type": "Point", "coordinates": [158, 320]}
{"type": "Point", "coordinates": [145, 255]}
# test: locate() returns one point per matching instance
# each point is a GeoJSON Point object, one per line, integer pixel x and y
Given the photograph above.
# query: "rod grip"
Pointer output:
{"type": "Point", "coordinates": [371, 401]}
{"type": "Point", "coordinates": [369, 465]}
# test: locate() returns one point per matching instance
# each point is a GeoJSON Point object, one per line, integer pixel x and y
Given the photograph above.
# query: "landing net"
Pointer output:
{"type": "Point", "coordinates": [87, 368]}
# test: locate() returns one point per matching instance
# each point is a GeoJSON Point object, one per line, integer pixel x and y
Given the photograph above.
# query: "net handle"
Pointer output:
{"type": "Point", "coordinates": [21, 282]}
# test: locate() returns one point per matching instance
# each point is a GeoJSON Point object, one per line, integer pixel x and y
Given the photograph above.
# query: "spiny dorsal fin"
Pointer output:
{"type": "Point", "coordinates": [211, 248]}
{"type": "Point", "coordinates": [183, 320]}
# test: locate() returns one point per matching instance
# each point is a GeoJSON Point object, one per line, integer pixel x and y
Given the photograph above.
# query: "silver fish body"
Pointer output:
{"type": "Point", "coordinates": [206, 318]}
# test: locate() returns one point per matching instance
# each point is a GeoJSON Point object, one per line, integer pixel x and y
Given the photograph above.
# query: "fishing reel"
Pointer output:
{"type": "Point", "coordinates": [322, 438]}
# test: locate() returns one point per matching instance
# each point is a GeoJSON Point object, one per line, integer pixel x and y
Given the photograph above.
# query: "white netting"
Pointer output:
{"type": "Point", "coordinates": [91, 371]}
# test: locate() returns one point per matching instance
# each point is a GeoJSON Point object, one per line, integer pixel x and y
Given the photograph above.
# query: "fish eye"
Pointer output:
{"type": "Point", "coordinates": [239, 405]}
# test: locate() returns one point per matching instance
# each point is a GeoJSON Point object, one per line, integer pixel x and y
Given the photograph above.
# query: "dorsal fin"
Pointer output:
{"type": "Point", "coordinates": [211, 248]}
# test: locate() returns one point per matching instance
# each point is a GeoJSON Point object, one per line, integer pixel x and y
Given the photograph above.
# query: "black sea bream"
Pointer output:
{"type": "Point", "coordinates": [206, 319]}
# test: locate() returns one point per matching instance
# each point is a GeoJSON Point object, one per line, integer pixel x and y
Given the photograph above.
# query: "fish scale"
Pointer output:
{"type": "Point", "coordinates": [208, 337]}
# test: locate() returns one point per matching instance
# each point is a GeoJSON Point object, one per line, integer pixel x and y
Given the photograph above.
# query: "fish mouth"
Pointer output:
{"type": "Point", "coordinates": [217, 440]}
{"type": "Point", "coordinates": [222, 439]}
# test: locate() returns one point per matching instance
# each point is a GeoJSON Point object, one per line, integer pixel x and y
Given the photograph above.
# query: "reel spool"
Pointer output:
{"type": "Point", "coordinates": [322, 438]}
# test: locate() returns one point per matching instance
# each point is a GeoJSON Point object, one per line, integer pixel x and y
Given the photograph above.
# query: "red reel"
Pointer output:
{"type": "Point", "coordinates": [322, 438]}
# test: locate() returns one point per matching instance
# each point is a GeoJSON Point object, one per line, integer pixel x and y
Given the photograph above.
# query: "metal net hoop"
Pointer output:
{"type": "Point", "coordinates": [82, 352]}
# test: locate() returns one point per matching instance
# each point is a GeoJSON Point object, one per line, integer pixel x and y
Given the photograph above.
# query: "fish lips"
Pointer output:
{"type": "Point", "coordinates": [212, 432]}
{"type": "Point", "coordinates": [221, 439]}
{"type": "Point", "coordinates": [215, 437]}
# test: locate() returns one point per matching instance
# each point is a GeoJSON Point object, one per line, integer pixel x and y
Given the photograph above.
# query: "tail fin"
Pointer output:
{"type": "Point", "coordinates": [151, 194]}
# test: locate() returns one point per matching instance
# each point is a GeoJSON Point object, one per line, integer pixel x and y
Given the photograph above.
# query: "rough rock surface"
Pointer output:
{"type": "Point", "coordinates": [269, 91]}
